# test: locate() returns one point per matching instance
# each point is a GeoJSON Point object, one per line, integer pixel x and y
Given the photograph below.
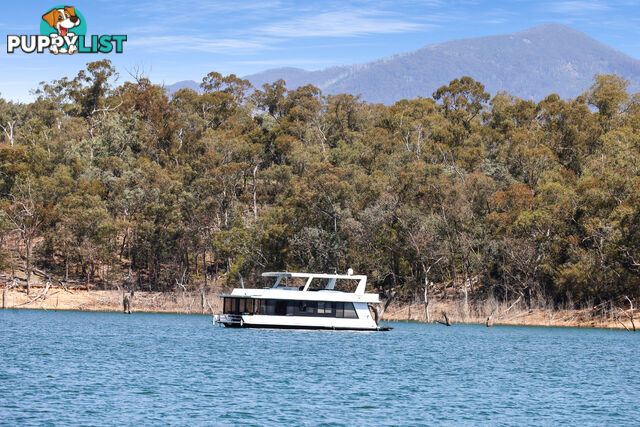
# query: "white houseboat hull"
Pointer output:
{"type": "Point", "coordinates": [300, 307]}
{"type": "Point", "coordinates": [364, 322]}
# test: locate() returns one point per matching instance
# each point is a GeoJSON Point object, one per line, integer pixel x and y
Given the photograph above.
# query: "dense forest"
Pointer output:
{"type": "Point", "coordinates": [110, 184]}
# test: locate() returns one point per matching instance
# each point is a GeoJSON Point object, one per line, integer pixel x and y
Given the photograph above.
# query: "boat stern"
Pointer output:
{"type": "Point", "coordinates": [228, 320]}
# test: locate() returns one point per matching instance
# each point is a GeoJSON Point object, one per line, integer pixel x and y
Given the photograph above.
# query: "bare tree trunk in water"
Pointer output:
{"type": "Point", "coordinates": [446, 321]}
{"type": "Point", "coordinates": [127, 302]}
{"type": "Point", "coordinates": [465, 291]}
{"type": "Point", "coordinates": [13, 283]}
{"type": "Point", "coordinates": [29, 244]}
{"type": "Point", "coordinates": [379, 312]}
{"type": "Point", "coordinates": [426, 300]}
{"type": "Point", "coordinates": [373, 310]}
{"type": "Point", "coordinates": [5, 294]}
{"type": "Point", "coordinates": [426, 289]}
{"type": "Point", "coordinates": [202, 300]}
{"type": "Point", "coordinates": [489, 322]}
{"type": "Point", "coordinates": [630, 317]}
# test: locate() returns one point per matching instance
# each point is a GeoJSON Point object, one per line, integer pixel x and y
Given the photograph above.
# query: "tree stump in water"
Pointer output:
{"type": "Point", "coordinates": [446, 321]}
{"type": "Point", "coordinates": [127, 303]}
{"type": "Point", "coordinates": [489, 322]}
{"type": "Point", "coordinates": [5, 293]}
{"type": "Point", "coordinates": [375, 311]}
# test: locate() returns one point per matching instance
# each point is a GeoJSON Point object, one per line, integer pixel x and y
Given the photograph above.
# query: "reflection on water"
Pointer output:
{"type": "Point", "coordinates": [96, 368]}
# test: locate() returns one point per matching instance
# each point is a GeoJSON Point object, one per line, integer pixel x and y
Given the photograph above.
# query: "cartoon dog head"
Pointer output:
{"type": "Point", "coordinates": [62, 19]}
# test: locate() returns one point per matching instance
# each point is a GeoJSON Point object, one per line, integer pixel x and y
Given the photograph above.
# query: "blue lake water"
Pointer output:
{"type": "Point", "coordinates": [110, 368]}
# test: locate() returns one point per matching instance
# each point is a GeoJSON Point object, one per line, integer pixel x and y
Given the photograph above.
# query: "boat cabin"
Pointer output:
{"type": "Point", "coordinates": [316, 304]}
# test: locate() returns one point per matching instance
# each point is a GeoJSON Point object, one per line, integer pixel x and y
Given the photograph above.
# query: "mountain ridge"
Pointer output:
{"type": "Point", "coordinates": [530, 64]}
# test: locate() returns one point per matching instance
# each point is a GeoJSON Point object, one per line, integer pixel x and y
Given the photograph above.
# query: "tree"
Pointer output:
{"type": "Point", "coordinates": [24, 208]}
{"type": "Point", "coordinates": [462, 100]}
{"type": "Point", "coordinates": [609, 95]}
{"type": "Point", "coordinates": [103, 181]}
{"type": "Point", "coordinates": [12, 116]}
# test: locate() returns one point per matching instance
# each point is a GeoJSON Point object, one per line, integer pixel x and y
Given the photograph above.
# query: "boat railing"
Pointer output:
{"type": "Point", "coordinates": [332, 278]}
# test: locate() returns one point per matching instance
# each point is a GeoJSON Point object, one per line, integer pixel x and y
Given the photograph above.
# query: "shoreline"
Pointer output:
{"type": "Point", "coordinates": [193, 303]}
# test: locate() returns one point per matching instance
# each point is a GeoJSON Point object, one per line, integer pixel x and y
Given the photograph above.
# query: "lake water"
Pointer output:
{"type": "Point", "coordinates": [110, 368]}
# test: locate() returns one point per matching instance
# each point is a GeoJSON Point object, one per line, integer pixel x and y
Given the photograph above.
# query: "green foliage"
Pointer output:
{"type": "Point", "coordinates": [123, 183]}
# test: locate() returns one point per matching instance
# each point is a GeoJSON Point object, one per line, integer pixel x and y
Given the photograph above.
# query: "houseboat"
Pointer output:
{"type": "Point", "coordinates": [315, 305]}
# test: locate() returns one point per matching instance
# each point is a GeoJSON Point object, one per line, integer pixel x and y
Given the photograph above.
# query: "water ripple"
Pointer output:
{"type": "Point", "coordinates": [109, 368]}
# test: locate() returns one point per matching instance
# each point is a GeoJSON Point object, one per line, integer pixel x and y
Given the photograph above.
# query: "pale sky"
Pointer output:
{"type": "Point", "coordinates": [173, 40]}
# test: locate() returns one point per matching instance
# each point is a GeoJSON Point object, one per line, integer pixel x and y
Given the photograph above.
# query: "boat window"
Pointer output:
{"type": "Point", "coordinates": [240, 305]}
{"type": "Point", "coordinates": [302, 307]}
{"type": "Point", "coordinates": [271, 307]}
{"type": "Point", "coordinates": [325, 308]}
{"type": "Point", "coordinates": [312, 308]}
{"type": "Point", "coordinates": [349, 311]}
{"type": "Point", "coordinates": [339, 309]}
{"type": "Point", "coordinates": [317, 285]}
{"type": "Point", "coordinates": [281, 307]}
{"type": "Point", "coordinates": [292, 308]}
{"type": "Point", "coordinates": [231, 305]}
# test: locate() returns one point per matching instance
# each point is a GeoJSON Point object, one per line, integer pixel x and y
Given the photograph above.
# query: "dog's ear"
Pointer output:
{"type": "Point", "coordinates": [50, 17]}
{"type": "Point", "coordinates": [70, 10]}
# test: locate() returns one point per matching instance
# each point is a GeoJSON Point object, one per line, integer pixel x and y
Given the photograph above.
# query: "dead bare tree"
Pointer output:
{"type": "Point", "coordinates": [127, 301]}
{"type": "Point", "coordinates": [446, 321]}
{"type": "Point", "coordinates": [489, 322]}
{"type": "Point", "coordinates": [379, 312]}
{"type": "Point", "coordinates": [5, 293]}
{"type": "Point", "coordinates": [25, 214]}
{"type": "Point", "coordinates": [629, 316]}
{"type": "Point", "coordinates": [465, 292]}
{"type": "Point", "coordinates": [49, 277]}
{"type": "Point", "coordinates": [180, 282]}
{"type": "Point", "coordinates": [512, 305]}
{"type": "Point", "coordinates": [9, 131]}
{"type": "Point", "coordinates": [426, 289]}
{"type": "Point", "coordinates": [254, 193]}
{"type": "Point", "coordinates": [42, 295]}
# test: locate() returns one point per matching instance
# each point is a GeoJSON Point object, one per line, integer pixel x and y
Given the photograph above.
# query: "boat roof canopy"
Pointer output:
{"type": "Point", "coordinates": [314, 275]}
{"type": "Point", "coordinates": [362, 280]}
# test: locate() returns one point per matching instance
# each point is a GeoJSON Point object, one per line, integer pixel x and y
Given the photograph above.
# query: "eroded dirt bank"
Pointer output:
{"type": "Point", "coordinates": [196, 303]}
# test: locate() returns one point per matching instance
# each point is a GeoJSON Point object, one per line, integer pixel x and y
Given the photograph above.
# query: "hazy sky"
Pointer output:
{"type": "Point", "coordinates": [180, 40]}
